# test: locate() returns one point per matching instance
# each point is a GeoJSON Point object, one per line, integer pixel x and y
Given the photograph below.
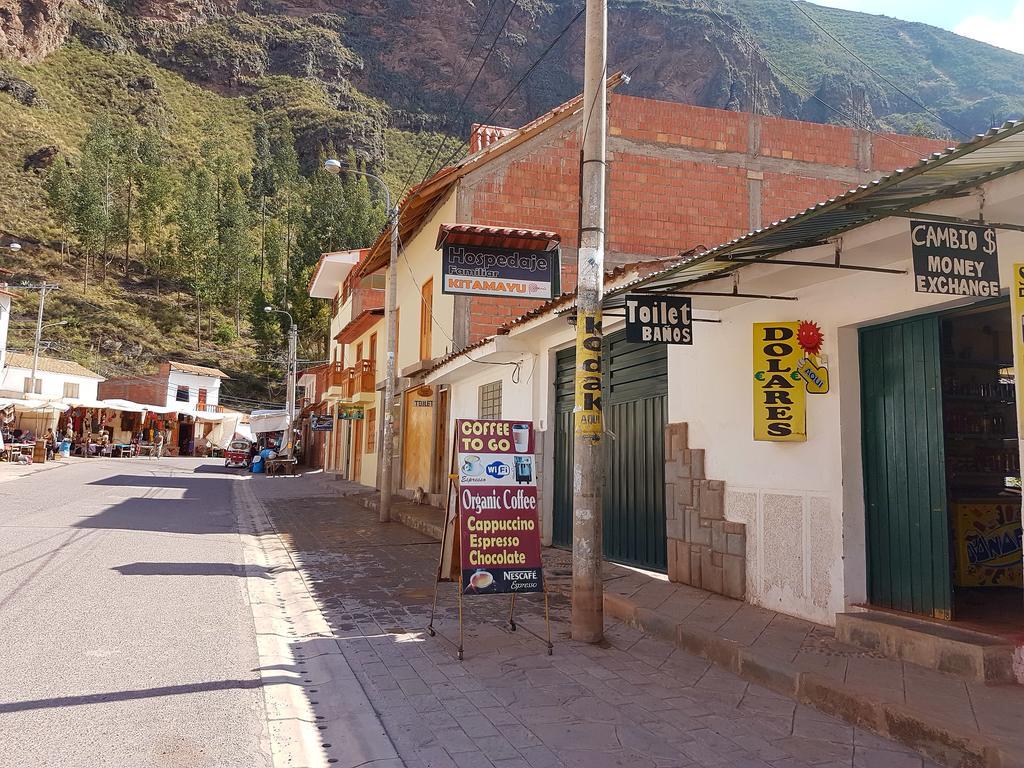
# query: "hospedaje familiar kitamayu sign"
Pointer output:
{"type": "Point", "coordinates": [499, 524]}
{"type": "Point", "coordinates": [954, 259]}
{"type": "Point", "coordinates": [512, 272]}
{"type": "Point", "coordinates": [658, 319]}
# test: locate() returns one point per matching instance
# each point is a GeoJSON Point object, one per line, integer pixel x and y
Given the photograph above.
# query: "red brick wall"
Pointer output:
{"type": "Point", "coordinates": [682, 182]}
{"type": "Point", "coordinates": [148, 389]}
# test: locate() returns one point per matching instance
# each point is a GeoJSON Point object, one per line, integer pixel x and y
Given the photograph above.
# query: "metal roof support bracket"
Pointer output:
{"type": "Point", "coordinates": [836, 264]}
{"type": "Point", "coordinates": [957, 220]}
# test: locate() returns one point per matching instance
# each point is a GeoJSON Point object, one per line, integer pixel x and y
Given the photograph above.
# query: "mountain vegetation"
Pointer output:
{"type": "Point", "coordinates": [161, 159]}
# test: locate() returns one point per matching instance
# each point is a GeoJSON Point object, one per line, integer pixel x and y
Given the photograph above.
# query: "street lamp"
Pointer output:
{"type": "Point", "coordinates": [388, 448]}
{"type": "Point", "coordinates": [293, 337]}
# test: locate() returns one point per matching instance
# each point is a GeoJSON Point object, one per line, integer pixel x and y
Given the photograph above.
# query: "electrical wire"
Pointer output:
{"type": "Point", "coordinates": [794, 83]}
{"type": "Point", "coordinates": [876, 73]}
{"type": "Point", "coordinates": [457, 79]}
{"type": "Point", "coordinates": [480, 69]}
{"type": "Point", "coordinates": [518, 84]}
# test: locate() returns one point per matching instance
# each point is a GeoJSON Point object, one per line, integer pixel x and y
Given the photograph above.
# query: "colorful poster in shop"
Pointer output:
{"type": "Point", "coordinates": [780, 394]}
{"type": "Point", "coordinates": [988, 544]}
{"type": "Point", "coordinates": [499, 524]}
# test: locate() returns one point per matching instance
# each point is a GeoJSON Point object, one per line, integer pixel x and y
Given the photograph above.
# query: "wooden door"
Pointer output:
{"type": "Point", "coordinates": [441, 464]}
{"type": "Point", "coordinates": [357, 450]}
{"type": "Point", "coordinates": [906, 522]}
{"type": "Point", "coordinates": [417, 438]}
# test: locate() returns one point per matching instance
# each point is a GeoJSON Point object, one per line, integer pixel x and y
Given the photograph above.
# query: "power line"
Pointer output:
{"type": "Point", "coordinates": [456, 80]}
{"type": "Point", "coordinates": [876, 73]}
{"type": "Point", "coordinates": [518, 84]}
{"type": "Point", "coordinates": [480, 69]}
{"type": "Point", "coordinates": [795, 83]}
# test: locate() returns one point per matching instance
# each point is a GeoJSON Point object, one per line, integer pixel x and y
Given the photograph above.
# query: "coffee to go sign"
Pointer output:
{"type": "Point", "coordinates": [954, 259]}
{"type": "Point", "coordinates": [499, 524]}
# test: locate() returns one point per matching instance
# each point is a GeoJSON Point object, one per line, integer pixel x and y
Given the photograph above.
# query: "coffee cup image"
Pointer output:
{"type": "Point", "coordinates": [481, 580]}
{"type": "Point", "coordinates": [521, 437]}
{"type": "Point", "coordinates": [471, 465]}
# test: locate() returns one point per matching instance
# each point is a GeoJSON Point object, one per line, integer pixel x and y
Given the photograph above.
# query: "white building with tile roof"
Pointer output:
{"type": "Point", "coordinates": [55, 379]}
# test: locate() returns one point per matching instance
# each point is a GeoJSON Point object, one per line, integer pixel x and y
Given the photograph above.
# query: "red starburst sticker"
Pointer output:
{"type": "Point", "coordinates": [810, 337]}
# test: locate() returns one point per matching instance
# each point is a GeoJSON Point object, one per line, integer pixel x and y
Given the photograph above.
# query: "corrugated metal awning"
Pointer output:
{"type": "Point", "coordinates": [497, 237]}
{"type": "Point", "coordinates": [943, 175]}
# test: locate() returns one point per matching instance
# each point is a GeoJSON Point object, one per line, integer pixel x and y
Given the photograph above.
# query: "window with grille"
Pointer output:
{"type": "Point", "coordinates": [70, 389]}
{"type": "Point", "coordinates": [181, 395]}
{"type": "Point", "coordinates": [371, 430]}
{"type": "Point", "coordinates": [490, 400]}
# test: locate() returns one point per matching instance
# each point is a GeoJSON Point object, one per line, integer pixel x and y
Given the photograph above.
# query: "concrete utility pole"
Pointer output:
{"type": "Point", "coordinates": [588, 456]}
{"type": "Point", "coordinates": [388, 438]}
{"type": "Point", "coordinates": [293, 345]}
{"type": "Point", "coordinates": [43, 289]}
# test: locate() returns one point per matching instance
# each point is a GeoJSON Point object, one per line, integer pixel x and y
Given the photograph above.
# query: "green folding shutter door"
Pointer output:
{"type": "Point", "coordinates": [906, 521]}
{"type": "Point", "coordinates": [635, 413]}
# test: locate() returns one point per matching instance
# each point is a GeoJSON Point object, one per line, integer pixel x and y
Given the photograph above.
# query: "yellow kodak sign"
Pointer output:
{"type": "Point", "coordinates": [587, 411]}
{"type": "Point", "coordinates": [780, 394]}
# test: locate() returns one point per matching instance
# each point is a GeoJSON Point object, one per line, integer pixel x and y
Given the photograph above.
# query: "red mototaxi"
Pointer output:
{"type": "Point", "coordinates": [237, 454]}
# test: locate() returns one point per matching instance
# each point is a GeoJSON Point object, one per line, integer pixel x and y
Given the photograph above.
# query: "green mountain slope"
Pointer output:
{"type": "Point", "coordinates": [384, 80]}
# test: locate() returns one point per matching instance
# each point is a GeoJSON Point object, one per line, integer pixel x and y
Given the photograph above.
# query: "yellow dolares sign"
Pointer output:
{"type": "Point", "coordinates": [1017, 308]}
{"type": "Point", "coordinates": [780, 395]}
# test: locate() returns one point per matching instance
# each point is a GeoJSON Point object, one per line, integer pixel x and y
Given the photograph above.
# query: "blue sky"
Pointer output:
{"type": "Point", "coordinates": [998, 22]}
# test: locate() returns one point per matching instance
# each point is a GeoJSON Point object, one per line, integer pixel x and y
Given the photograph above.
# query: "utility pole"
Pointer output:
{"type": "Point", "coordinates": [588, 456]}
{"type": "Point", "coordinates": [332, 165]}
{"type": "Point", "coordinates": [43, 288]}
{"type": "Point", "coordinates": [387, 474]}
{"type": "Point", "coordinates": [293, 339]}
{"type": "Point", "coordinates": [289, 408]}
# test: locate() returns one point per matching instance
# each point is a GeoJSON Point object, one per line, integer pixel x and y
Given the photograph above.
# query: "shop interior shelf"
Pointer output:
{"type": "Point", "coordinates": [977, 363]}
{"type": "Point", "coordinates": [980, 436]}
{"type": "Point", "coordinates": [978, 399]}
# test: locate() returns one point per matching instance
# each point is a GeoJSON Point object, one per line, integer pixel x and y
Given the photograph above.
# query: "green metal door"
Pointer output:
{"type": "Point", "coordinates": [907, 526]}
{"type": "Point", "coordinates": [565, 372]}
{"type": "Point", "coordinates": [635, 414]}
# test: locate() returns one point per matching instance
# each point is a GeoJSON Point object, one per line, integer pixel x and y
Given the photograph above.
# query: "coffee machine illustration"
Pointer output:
{"type": "Point", "coordinates": [524, 469]}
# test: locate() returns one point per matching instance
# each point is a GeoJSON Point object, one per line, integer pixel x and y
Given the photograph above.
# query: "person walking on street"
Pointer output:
{"type": "Point", "coordinates": [158, 443]}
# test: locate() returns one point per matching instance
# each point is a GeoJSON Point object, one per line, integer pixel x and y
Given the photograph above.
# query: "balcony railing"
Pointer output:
{"type": "Point", "coordinates": [361, 378]}
{"type": "Point", "coordinates": [336, 376]}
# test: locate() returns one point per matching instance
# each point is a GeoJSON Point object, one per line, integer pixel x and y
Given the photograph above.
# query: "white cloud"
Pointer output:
{"type": "Point", "coordinates": [1007, 32]}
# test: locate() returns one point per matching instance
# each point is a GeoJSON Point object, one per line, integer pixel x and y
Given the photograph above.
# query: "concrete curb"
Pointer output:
{"type": "Point", "coordinates": [317, 710]}
{"type": "Point", "coordinates": [938, 741]}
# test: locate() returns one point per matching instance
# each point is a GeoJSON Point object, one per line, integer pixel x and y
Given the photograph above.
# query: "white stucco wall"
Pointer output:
{"type": "Point", "coordinates": [803, 502]}
{"type": "Point", "coordinates": [13, 380]}
{"type": "Point", "coordinates": [5, 323]}
{"type": "Point", "coordinates": [194, 382]}
{"type": "Point", "coordinates": [418, 262]}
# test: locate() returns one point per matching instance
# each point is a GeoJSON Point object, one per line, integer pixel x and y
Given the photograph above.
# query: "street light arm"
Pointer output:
{"type": "Point", "coordinates": [336, 167]}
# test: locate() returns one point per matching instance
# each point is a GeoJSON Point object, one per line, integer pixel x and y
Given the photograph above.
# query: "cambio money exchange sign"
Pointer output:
{"type": "Point", "coordinates": [954, 259]}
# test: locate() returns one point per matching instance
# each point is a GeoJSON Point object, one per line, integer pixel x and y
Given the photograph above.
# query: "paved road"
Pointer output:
{"type": "Point", "coordinates": [631, 702]}
{"type": "Point", "coordinates": [127, 637]}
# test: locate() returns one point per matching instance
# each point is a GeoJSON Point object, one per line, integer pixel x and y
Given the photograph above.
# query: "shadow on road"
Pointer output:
{"type": "Point", "coordinates": [142, 693]}
{"type": "Point", "coordinates": [195, 569]}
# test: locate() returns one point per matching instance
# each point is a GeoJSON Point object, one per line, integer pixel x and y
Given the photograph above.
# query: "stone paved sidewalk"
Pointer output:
{"type": "Point", "coordinates": [964, 722]}
{"type": "Point", "coordinates": [632, 701]}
